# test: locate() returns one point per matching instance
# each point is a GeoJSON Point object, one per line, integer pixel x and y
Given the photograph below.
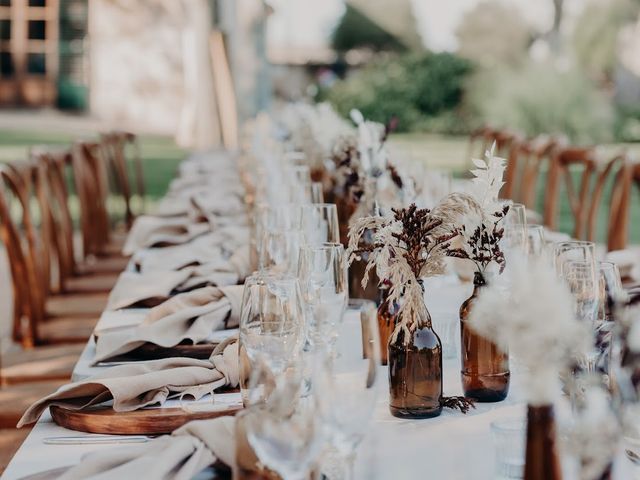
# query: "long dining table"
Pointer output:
{"type": "Point", "coordinates": [452, 446]}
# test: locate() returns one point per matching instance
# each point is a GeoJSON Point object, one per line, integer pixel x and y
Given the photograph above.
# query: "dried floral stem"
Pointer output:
{"type": "Point", "coordinates": [463, 404]}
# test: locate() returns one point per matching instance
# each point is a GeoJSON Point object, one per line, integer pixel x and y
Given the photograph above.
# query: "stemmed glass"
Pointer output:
{"type": "Point", "coordinates": [283, 428]}
{"type": "Point", "coordinates": [584, 283]}
{"type": "Point", "coordinates": [535, 240]}
{"type": "Point", "coordinates": [573, 250]}
{"type": "Point", "coordinates": [279, 250]}
{"type": "Point", "coordinates": [323, 279]}
{"type": "Point", "coordinates": [348, 382]}
{"type": "Point", "coordinates": [319, 222]}
{"type": "Point", "coordinates": [271, 330]}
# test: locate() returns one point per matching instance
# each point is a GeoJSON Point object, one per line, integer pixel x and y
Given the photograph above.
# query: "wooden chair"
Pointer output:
{"type": "Point", "coordinates": [114, 147]}
{"type": "Point", "coordinates": [72, 276]}
{"type": "Point", "coordinates": [91, 187]}
{"type": "Point", "coordinates": [564, 163]}
{"type": "Point", "coordinates": [36, 320]}
{"type": "Point", "coordinates": [619, 172]}
{"type": "Point", "coordinates": [529, 158]}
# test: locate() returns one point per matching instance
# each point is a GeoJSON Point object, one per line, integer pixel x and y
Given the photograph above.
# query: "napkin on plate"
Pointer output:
{"type": "Point", "coordinates": [149, 231]}
{"type": "Point", "coordinates": [137, 385]}
{"type": "Point", "coordinates": [179, 456]}
{"type": "Point", "coordinates": [133, 288]}
{"type": "Point", "coordinates": [188, 316]}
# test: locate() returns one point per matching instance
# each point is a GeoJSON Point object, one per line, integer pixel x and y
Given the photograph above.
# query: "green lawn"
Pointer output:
{"type": "Point", "coordinates": [160, 155]}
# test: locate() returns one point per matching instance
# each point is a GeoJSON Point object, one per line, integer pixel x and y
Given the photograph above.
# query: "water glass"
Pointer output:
{"type": "Point", "coordinates": [535, 240]}
{"type": "Point", "coordinates": [279, 250]}
{"type": "Point", "coordinates": [323, 279]}
{"type": "Point", "coordinates": [573, 250]}
{"type": "Point", "coordinates": [509, 435]}
{"type": "Point", "coordinates": [271, 330]}
{"type": "Point", "coordinates": [319, 223]}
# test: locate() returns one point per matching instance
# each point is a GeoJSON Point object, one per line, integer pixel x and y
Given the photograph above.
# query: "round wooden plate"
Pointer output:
{"type": "Point", "coordinates": [152, 421]}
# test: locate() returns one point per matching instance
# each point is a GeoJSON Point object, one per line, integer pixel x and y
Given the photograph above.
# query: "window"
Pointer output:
{"type": "Point", "coordinates": [37, 3]}
{"type": "Point", "coordinates": [5, 29]}
{"type": "Point", "coordinates": [36, 63]}
{"type": "Point", "coordinates": [6, 64]}
{"type": "Point", "coordinates": [37, 29]}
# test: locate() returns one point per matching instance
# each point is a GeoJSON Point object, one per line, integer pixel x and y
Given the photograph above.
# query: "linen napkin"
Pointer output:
{"type": "Point", "coordinates": [149, 288]}
{"type": "Point", "coordinates": [211, 246]}
{"type": "Point", "coordinates": [180, 456]}
{"type": "Point", "coordinates": [141, 384]}
{"type": "Point", "coordinates": [149, 231]}
{"type": "Point", "coordinates": [188, 316]}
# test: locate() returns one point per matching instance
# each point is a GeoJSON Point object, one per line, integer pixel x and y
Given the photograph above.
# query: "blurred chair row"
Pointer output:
{"type": "Point", "coordinates": [581, 175]}
{"type": "Point", "coordinates": [61, 276]}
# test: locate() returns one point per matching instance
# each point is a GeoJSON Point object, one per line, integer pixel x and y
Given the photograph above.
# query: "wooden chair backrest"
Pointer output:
{"type": "Point", "coordinates": [531, 156]}
{"type": "Point", "coordinates": [23, 250]}
{"type": "Point", "coordinates": [113, 147]}
{"type": "Point", "coordinates": [562, 162]}
{"type": "Point", "coordinates": [54, 166]}
{"type": "Point", "coordinates": [91, 186]}
{"type": "Point", "coordinates": [620, 170]}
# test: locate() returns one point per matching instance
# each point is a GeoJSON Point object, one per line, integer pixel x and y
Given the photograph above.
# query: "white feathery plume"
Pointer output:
{"type": "Point", "coordinates": [487, 183]}
{"type": "Point", "coordinates": [534, 319]}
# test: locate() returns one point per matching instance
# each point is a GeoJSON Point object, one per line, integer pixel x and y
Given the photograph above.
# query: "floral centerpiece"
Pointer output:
{"type": "Point", "coordinates": [535, 320]}
{"type": "Point", "coordinates": [407, 246]}
{"type": "Point", "coordinates": [485, 366]}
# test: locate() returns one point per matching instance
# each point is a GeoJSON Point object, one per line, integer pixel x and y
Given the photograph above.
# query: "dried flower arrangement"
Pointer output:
{"type": "Point", "coordinates": [480, 215]}
{"type": "Point", "coordinates": [534, 319]}
{"type": "Point", "coordinates": [408, 246]}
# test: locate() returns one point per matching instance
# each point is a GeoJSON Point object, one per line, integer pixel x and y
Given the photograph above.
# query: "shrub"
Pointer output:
{"type": "Point", "coordinates": [540, 99]}
{"type": "Point", "coordinates": [416, 88]}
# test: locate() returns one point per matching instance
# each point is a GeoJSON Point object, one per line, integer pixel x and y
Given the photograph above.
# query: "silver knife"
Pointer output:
{"type": "Point", "coordinates": [96, 440]}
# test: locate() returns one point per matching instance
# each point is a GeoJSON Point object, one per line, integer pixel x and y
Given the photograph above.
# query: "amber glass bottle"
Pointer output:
{"type": "Point", "coordinates": [415, 369]}
{"type": "Point", "coordinates": [387, 313]}
{"type": "Point", "coordinates": [541, 459]}
{"type": "Point", "coordinates": [485, 367]}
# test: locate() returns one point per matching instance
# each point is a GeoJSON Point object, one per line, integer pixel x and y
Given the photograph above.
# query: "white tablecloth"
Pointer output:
{"type": "Point", "coordinates": [452, 446]}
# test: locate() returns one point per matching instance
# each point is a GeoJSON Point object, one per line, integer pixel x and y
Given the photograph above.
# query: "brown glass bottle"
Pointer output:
{"type": "Point", "coordinates": [356, 273]}
{"type": "Point", "coordinates": [387, 313]}
{"type": "Point", "coordinates": [415, 370]}
{"type": "Point", "coordinates": [541, 459]}
{"type": "Point", "coordinates": [485, 366]}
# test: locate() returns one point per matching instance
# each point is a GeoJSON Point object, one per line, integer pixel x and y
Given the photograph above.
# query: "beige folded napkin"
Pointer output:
{"type": "Point", "coordinates": [219, 273]}
{"type": "Point", "coordinates": [149, 231]}
{"type": "Point", "coordinates": [134, 288]}
{"type": "Point", "coordinates": [212, 246]}
{"type": "Point", "coordinates": [188, 316]}
{"type": "Point", "coordinates": [137, 385]}
{"type": "Point", "coordinates": [628, 262]}
{"type": "Point", "coordinates": [179, 456]}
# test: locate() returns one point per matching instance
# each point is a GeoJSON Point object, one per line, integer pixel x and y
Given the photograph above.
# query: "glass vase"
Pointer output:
{"type": "Point", "coordinates": [485, 366]}
{"type": "Point", "coordinates": [541, 459]}
{"type": "Point", "coordinates": [415, 366]}
{"type": "Point", "coordinates": [387, 312]}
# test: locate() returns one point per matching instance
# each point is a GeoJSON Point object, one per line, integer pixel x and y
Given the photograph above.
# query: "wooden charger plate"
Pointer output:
{"type": "Point", "coordinates": [151, 421]}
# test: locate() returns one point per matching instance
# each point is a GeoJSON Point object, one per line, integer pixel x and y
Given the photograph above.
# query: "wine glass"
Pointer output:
{"type": "Point", "coordinates": [283, 428]}
{"type": "Point", "coordinates": [323, 279]}
{"type": "Point", "coordinates": [535, 240]}
{"type": "Point", "coordinates": [517, 214]}
{"type": "Point", "coordinates": [279, 250]}
{"type": "Point", "coordinates": [584, 283]}
{"type": "Point", "coordinates": [319, 222]}
{"type": "Point", "coordinates": [573, 250]}
{"type": "Point", "coordinates": [271, 329]}
{"type": "Point", "coordinates": [348, 382]}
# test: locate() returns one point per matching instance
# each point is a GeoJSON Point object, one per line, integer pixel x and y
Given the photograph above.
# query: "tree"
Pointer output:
{"type": "Point", "coordinates": [493, 33]}
{"type": "Point", "coordinates": [355, 30]}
